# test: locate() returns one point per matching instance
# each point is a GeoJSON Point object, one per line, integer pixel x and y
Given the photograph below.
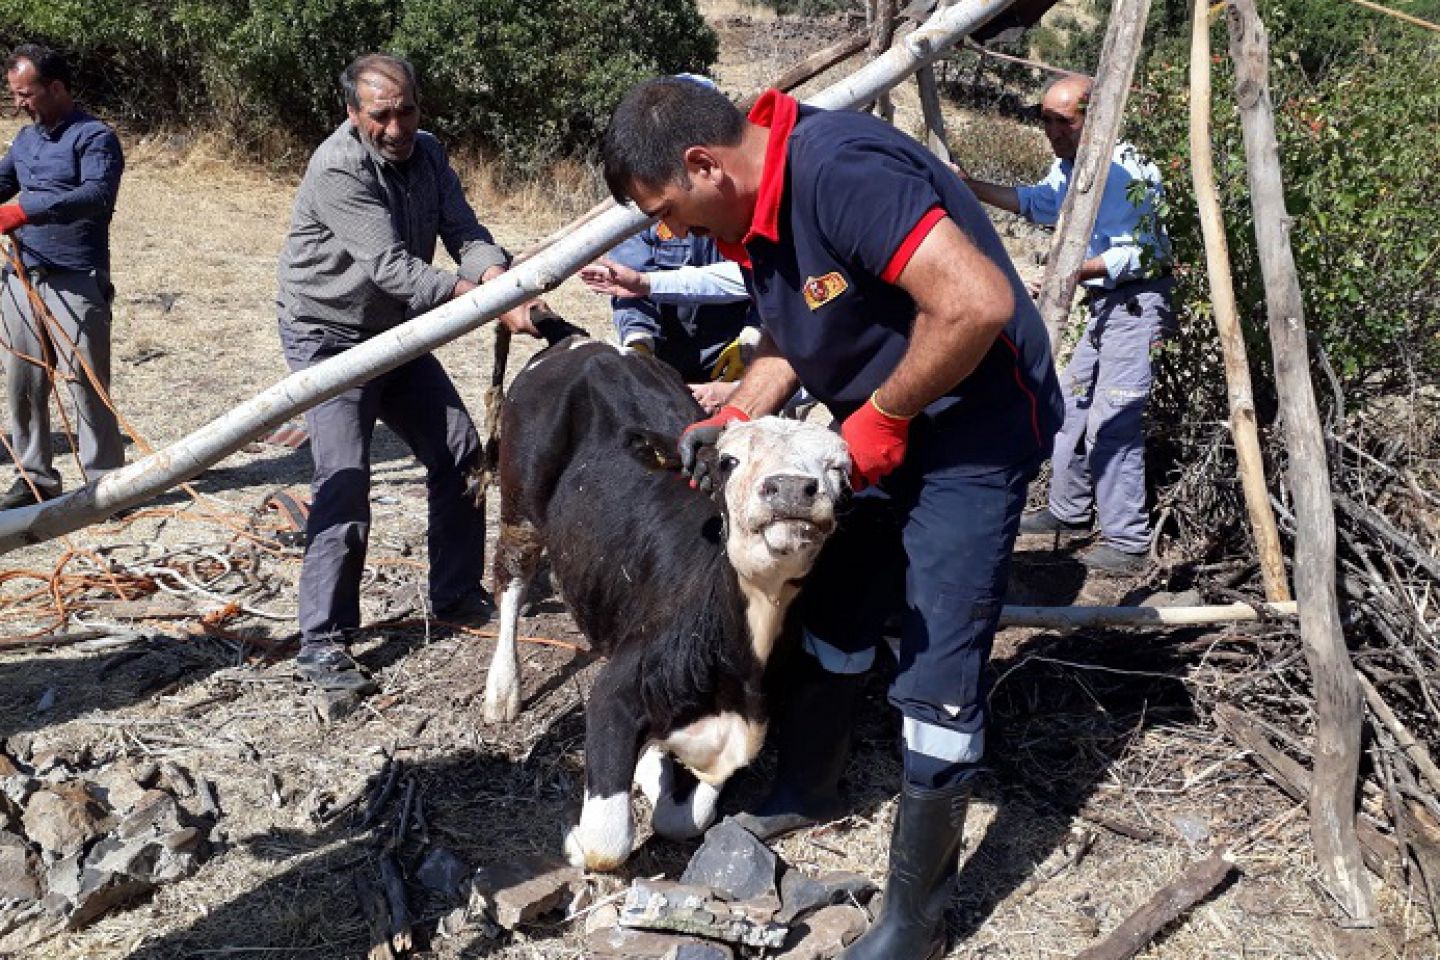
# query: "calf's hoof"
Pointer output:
{"type": "Point", "coordinates": [602, 840]}
{"type": "Point", "coordinates": [501, 706]}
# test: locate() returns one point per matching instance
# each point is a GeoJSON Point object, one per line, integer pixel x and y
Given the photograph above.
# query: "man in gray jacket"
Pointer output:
{"type": "Point", "coordinates": [376, 196]}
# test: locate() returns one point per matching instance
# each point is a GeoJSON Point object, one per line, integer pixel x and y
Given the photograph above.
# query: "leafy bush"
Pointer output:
{"type": "Point", "coordinates": [531, 80]}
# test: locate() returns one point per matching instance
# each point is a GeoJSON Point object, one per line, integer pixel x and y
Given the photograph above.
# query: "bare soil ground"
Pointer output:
{"type": "Point", "coordinates": [1093, 727]}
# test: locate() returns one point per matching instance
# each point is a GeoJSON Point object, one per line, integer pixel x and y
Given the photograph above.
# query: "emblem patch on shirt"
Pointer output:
{"type": "Point", "coordinates": [664, 232]}
{"type": "Point", "coordinates": [821, 290]}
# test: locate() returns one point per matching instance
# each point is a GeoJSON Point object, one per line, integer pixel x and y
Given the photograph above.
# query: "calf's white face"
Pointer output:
{"type": "Point", "coordinates": [783, 482]}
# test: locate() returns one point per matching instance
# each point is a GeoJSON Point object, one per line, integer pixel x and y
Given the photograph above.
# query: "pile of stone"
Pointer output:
{"type": "Point", "coordinates": [79, 839]}
{"type": "Point", "coordinates": [736, 899]}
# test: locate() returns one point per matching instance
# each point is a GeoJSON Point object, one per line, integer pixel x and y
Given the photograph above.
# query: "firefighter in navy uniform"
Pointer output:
{"type": "Point", "coordinates": [883, 290]}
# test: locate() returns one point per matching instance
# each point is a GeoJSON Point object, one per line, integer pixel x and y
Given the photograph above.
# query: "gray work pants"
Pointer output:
{"type": "Point", "coordinates": [79, 301]}
{"type": "Point", "coordinates": [1099, 458]}
{"type": "Point", "coordinates": [418, 402]}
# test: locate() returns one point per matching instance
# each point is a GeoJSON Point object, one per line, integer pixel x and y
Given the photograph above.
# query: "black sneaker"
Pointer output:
{"type": "Point", "coordinates": [328, 667]}
{"type": "Point", "coordinates": [471, 609]}
{"type": "Point", "coordinates": [20, 495]}
{"type": "Point", "coordinates": [1043, 521]}
{"type": "Point", "coordinates": [1103, 558]}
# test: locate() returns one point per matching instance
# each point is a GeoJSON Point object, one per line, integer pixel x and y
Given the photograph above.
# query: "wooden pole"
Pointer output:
{"type": "Point", "coordinates": [881, 15]}
{"type": "Point", "coordinates": [1227, 318]}
{"type": "Point", "coordinates": [930, 110]}
{"type": "Point", "coordinates": [1075, 618]}
{"type": "Point", "coordinates": [1092, 162]}
{"type": "Point", "coordinates": [1337, 694]}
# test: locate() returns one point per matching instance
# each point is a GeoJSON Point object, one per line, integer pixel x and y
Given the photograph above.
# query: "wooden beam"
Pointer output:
{"type": "Point", "coordinates": [1337, 694]}
{"type": "Point", "coordinates": [1243, 427]}
{"type": "Point", "coordinates": [1092, 162]}
{"type": "Point", "coordinates": [1163, 908]}
{"type": "Point", "coordinates": [1074, 618]}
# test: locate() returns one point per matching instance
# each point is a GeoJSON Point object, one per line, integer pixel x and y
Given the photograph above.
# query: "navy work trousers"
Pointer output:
{"type": "Point", "coordinates": [936, 547]}
{"type": "Point", "coordinates": [418, 402]}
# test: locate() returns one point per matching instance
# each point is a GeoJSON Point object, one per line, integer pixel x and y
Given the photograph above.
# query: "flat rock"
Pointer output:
{"type": "Point", "coordinates": [442, 872]}
{"type": "Point", "coordinates": [733, 863]}
{"type": "Point", "coordinates": [17, 879]}
{"type": "Point", "coordinates": [801, 894]}
{"type": "Point", "coordinates": [614, 943]}
{"type": "Point", "coordinates": [824, 933]}
{"type": "Point", "coordinates": [679, 908]}
{"type": "Point", "coordinates": [518, 892]}
{"type": "Point", "coordinates": [62, 818]}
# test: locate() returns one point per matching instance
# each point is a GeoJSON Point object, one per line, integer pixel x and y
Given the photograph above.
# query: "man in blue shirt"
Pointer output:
{"type": "Point", "coordinates": [884, 290]}
{"type": "Point", "coordinates": [1099, 457]}
{"type": "Point", "coordinates": [65, 167]}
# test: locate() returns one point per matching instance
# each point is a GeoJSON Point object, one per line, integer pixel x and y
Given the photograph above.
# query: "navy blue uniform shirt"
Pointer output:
{"type": "Point", "coordinates": [844, 202]}
{"type": "Point", "coordinates": [67, 179]}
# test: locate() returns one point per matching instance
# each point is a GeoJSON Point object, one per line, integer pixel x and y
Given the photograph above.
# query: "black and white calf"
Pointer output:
{"type": "Point", "coordinates": [683, 592]}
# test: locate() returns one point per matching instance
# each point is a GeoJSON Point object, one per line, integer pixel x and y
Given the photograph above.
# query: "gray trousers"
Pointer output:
{"type": "Point", "coordinates": [418, 402]}
{"type": "Point", "coordinates": [1099, 457]}
{"type": "Point", "coordinates": [79, 301]}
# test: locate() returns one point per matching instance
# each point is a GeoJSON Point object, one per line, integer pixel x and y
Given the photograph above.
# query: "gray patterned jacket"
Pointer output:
{"type": "Point", "coordinates": [357, 258]}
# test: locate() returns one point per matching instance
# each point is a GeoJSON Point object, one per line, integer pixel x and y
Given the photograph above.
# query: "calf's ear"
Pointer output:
{"type": "Point", "coordinates": [651, 448]}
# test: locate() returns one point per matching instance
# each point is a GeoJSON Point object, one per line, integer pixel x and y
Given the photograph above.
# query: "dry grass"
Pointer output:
{"type": "Point", "coordinates": [195, 240]}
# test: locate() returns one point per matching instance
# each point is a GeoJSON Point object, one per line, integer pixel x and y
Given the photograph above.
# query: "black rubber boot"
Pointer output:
{"type": "Point", "coordinates": [924, 855]}
{"type": "Point", "coordinates": [812, 737]}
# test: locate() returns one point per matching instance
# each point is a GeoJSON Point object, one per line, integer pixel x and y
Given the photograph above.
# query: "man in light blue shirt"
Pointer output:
{"type": "Point", "coordinates": [1099, 456]}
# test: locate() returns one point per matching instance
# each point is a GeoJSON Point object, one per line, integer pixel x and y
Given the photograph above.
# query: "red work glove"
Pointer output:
{"type": "Point", "coordinates": [12, 218]}
{"type": "Point", "coordinates": [877, 443]}
{"type": "Point", "coordinates": [701, 434]}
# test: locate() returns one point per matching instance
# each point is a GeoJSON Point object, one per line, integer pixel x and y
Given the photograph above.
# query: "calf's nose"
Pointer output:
{"type": "Point", "coordinates": [788, 493]}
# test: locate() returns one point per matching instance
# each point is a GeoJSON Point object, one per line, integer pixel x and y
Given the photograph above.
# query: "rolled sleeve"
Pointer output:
{"type": "Point", "coordinates": [1040, 202]}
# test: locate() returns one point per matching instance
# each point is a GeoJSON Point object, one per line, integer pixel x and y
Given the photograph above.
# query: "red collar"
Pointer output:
{"type": "Point", "coordinates": [777, 111]}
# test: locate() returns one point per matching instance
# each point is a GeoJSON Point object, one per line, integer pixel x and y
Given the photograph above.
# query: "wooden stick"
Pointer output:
{"type": "Point", "coordinates": [1409, 746]}
{"type": "Point", "coordinates": [1092, 162]}
{"type": "Point", "coordinates": [1227, 318]}
{"type": "Point", "coordinates": [984, 51]}
{"type": "Point", "coordinates": [376, 912]}
{"type": "Point", "coordinates": [935, 137]}
{"type": "Point", "coordinates": [1385, 530]}
{"type": "Point", "coordinates": [1166, 905]}
{"type": "Point", "coordinates": [1070, 618]}
{"type": "Point", "coordinates": [1337, 694]}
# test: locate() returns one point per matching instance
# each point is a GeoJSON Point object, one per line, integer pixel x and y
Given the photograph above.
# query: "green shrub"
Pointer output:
{"type": "Point", "coordinates": [529, 80]}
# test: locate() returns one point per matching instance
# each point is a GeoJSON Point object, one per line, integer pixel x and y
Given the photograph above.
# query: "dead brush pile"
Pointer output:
{"type": "Point", "coordinates": [1385, 481]}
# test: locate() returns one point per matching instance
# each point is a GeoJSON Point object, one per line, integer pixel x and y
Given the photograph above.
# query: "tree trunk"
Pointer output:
{"type": "Point", "coordinates": [1337, 695]}
{"type": "Point", "coordinates": [1092, 162]}
{"type": "Point", "coordinates": [213, 442]}
{"type": "Point", "coordinates": [1227, 318]}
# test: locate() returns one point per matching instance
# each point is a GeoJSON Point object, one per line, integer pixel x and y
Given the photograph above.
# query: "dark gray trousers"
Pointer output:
{"type": "Point", "coordinates": [79, 301]}
{"type": "Point", "coordinates": [418, 402]}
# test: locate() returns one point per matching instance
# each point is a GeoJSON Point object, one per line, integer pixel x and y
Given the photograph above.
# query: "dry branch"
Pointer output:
{"type": "Point", "coordinates": [1227, 317]}
{"type": "Point", "coordinates": [1337, 695]}
{"type": "Point", "coordinates": [1163, 908]}
{"type": "Point", "coordinates": [1404, 739]}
